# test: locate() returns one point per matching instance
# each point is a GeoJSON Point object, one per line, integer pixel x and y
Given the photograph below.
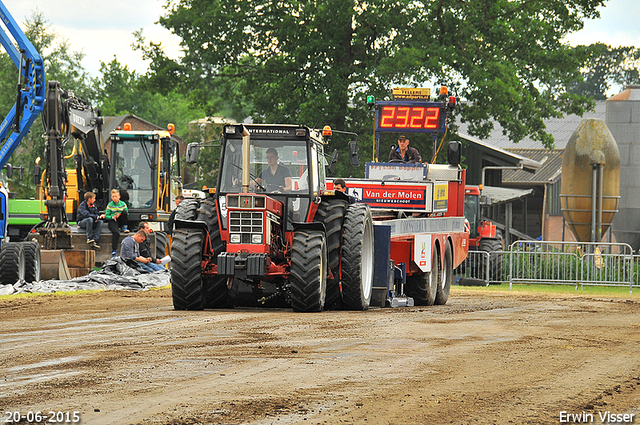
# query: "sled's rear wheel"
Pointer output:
{"type": "Point", "coordinates": [424, 286]}
{"type": "Point", "coordinates": [446, 277]}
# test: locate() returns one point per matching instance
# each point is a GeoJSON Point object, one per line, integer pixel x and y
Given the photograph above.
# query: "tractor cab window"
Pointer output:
{"type": "Point", "coordinates": [279, 168]}
{"type": "Point", "coordinates": [318, 163]}
{"type": "Point", "coordinates": [135, 172]}
{"type": "Point", "coordinates": [275, 167]}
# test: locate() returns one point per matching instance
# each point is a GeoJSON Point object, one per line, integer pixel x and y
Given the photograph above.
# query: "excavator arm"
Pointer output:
{"type": "Point", "coordinates": [67, 115]}
{"type": "Point", "coordinates": [30, 93]}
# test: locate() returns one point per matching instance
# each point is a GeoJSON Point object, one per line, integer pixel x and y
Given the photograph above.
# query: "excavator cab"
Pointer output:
{"type": "Point", "coordinates": [144, 166]}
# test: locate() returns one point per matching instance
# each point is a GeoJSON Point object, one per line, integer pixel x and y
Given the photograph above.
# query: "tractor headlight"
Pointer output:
{"type": "Point", "coordinates": [234, 238]}
{"type": "Point", "coordinates": [256, 238]}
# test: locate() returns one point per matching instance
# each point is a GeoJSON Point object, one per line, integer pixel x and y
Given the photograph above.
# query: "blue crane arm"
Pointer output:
{"type": "Point", "coordinates": [30, 93]}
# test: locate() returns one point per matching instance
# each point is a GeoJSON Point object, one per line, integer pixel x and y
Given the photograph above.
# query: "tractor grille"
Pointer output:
{"type": "Point", "coordinates": [246, 224]}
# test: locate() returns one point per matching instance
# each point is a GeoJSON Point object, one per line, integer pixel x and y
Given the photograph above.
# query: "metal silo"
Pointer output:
{"type": "Point", "coordinates": [590, 180]}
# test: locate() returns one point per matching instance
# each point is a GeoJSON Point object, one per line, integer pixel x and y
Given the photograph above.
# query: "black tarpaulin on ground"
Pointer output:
{"type": "Point", "coordinates": [114, 275]}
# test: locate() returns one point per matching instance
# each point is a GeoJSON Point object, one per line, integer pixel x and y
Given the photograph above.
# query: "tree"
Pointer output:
{"type": "Point", "coordinates": [606, 67]}
{"type": "Point", "coordinates": [310, 61]}
{"type": "Point", "coordinates": [60, 64]}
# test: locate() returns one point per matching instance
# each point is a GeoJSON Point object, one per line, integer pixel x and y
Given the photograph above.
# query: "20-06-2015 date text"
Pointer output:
{"type": "Point", "coordinates": [57, 417]}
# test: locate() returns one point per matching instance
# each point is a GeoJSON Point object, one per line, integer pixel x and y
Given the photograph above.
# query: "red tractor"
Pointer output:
{"type": "Point", "coordinates": [483, 236]}
{"type": "Point", "coordinates": [286, 240]}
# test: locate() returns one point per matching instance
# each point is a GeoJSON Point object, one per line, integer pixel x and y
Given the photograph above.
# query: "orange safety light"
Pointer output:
{"type": "Point", "coordinates": [326, 131]}
{"type": "Point", "coordinates": [480, 187]}
{"type": "Point", "coordinates": [127, 126]}
{"type": "Point", "coordinates": [171, 127]}
{"type": "Point", "coordinates": [444, 91]}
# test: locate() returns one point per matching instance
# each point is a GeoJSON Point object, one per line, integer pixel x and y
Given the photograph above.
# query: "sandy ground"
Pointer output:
{"type": "Point", "coordinates": [121, 357]}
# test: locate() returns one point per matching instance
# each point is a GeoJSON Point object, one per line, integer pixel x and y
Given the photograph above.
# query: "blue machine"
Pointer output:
{"type": "Point", "coordinates": [19, 260]}
{"type": "Point", "coordinates": [30, 97]}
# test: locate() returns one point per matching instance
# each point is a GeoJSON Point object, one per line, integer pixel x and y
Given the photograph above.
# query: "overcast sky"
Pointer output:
{"type": "Point", "coordinates": [102, 29]}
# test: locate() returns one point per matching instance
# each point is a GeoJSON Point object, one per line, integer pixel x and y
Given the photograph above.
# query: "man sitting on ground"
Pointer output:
{"type": "Point", "coordinates": [130, 251]}
{"type": "Point", "coordinates": [145, 246]}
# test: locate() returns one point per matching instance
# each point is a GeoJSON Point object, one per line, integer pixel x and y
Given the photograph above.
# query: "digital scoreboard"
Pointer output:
{"type": "Point", "coordinates": [416, 117]}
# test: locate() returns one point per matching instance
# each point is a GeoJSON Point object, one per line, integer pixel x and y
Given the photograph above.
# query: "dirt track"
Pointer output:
{"type": "Point", "coordinates": [484, 358]}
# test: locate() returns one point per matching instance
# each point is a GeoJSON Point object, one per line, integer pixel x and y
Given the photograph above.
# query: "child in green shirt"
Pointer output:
{"type": "Point", "coordinates": [116, 215]}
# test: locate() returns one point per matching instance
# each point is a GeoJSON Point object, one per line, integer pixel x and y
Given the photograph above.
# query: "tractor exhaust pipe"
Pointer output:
{"type": "Point", "coordinates": [246, 158]}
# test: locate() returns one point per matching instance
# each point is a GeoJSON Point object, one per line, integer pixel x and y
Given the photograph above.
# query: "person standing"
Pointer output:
{"type": "Point", "coordinates": [130, 252]}
{"type": "Point", "coordinates": [89, 218]}
{"type": "Point", "coordinates": [172, 217]}
{"type": "Point", "coordinates": [117, 215]}
{"type": "Point", "coordinates": [403, 152]}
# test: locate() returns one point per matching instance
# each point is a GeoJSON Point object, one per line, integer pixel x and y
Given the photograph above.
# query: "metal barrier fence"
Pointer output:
{"type": "Point", "coordinates": [558, 263]}
{"type": "Point", "coordinates": [481, 268]}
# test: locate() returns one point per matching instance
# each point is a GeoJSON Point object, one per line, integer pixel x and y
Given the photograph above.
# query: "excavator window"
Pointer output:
{"type": "Point", "coordinates": [134, 171]}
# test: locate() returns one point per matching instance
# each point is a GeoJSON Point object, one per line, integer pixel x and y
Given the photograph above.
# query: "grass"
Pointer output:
{"type": "Point", "coordinates": [604, 291]}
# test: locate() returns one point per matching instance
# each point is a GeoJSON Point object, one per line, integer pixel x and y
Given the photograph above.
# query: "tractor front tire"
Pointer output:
{"type": "Point", "coordinates": [357, 257]}
{"type": "Point", "coordinates": [215, 286]}
{"type": "Point", "coordinates": [186, 269]}
{"type": "Point", "coordinates": [308, 275]}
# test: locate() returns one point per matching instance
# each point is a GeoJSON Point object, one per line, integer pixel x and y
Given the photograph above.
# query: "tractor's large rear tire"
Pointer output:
{"type": "Point", "coordinates": [331, 214]}
{"type": "Point", "coordinates": [215, 287]}
{"type": "Point", "coordinates": [187, 209]}
{"type": "Point", "coordinates": [186, 269]}
{"type": "Point", "coordinates": [357, 257]}
{"type": "Point", "coordinates": [423, 287]}
{"type": "Point", "coordinates": [308, 274]}
{"type": "Point", "coordinates": [493, 247]}
{"type": "Point", "coordinates": [11, 263]}
{"type": "Point", "coordinates": [446, 277]}
{"type": "Point", "coordinates": [32, 261]}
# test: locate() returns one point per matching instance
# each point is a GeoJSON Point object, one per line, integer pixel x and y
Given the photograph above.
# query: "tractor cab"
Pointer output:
{"type": "Point", "coordinates": [286, 163]}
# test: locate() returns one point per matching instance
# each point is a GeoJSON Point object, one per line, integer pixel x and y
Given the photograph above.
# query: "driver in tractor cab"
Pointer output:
{"type": "Point", "coordinates": [275, 177]}
{"type": "Point", "coordinates": [403, 152]}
